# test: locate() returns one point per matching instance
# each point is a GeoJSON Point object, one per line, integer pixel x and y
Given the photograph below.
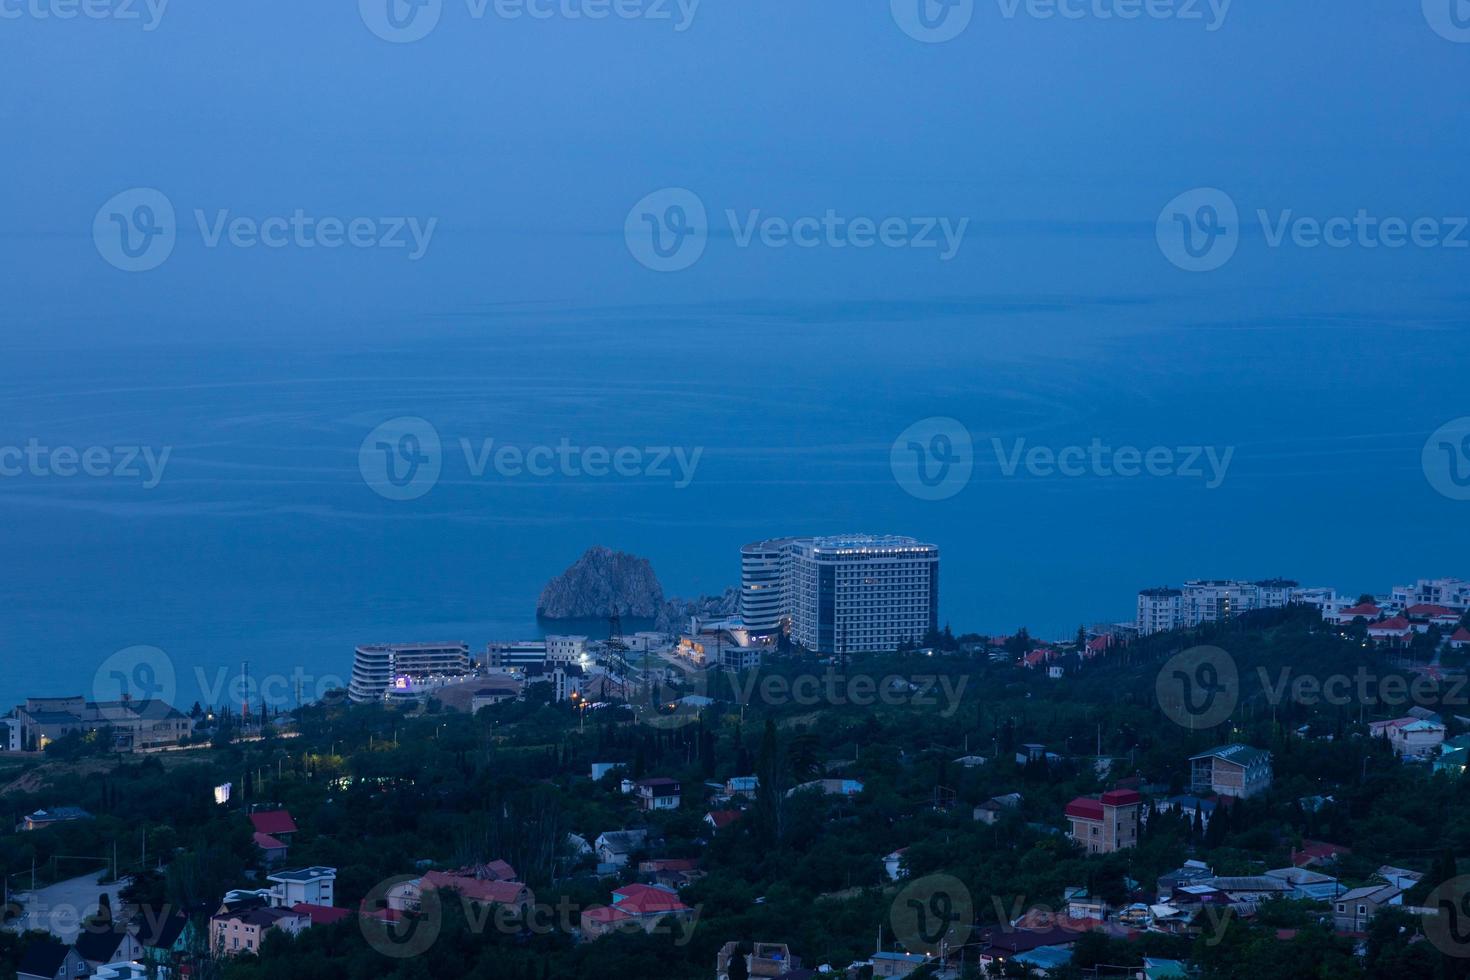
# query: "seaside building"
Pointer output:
{"type": "Point", "coordinates": [1217, 600]}
{"type": "Point", "coordinates": [567, 650]}
{"type": "Point", "coordinates": [406, 671]}
{"type": "Point", "coordinates": [516, 655]}
{"type": "Point", "coordinates": [843, 594]}
{"type": "Point", "coordinates": [1453, 593]}
{"type": "Point", "coordinates": [134, 725]}
{"type": "Point", "coordinates": [763, 565]}
{"type": "Point", "coordinates": [1160, 610]}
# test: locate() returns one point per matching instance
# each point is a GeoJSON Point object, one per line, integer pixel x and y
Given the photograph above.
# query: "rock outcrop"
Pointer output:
{"type": "Point", "coordinates": [603, 582]}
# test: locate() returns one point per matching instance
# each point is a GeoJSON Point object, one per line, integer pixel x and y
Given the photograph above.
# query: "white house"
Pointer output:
{"type": "Point", "coordinates": [1414, 738]}
{"type": "Point", "coordinates": [616, 846]}
{"type": "Point", "coordinates": [308, 886]}
{"type": "Point", "coordinates": [10, 729]}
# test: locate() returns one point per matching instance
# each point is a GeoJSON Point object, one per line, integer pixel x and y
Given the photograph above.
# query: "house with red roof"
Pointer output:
{"type": "Point", "coordinates": [1316, 852]}
{"type": "Point", "coordinates": [1425, 615]}
{"type": "Point", "coordinates": [407, 896]}
{"type": "Point", "coordinates": [641, 907]}
{"type": "Point", "coordinates": [272, 850]}
{"type": "Point", "coordinates": [1106, 824]}
{"type": "Point", "coordinates": [720, 819]}
{"type": "Point", "coordinates": [1363, 610]}
{"type": "Point", "coordinates": [1460, 639]}
{"type": "Point", "coordinates": [1393, 632]}
{"type": "Point", "coordinates": [274, 823]}
{"type": "Point", "coordinates": [321, 915]}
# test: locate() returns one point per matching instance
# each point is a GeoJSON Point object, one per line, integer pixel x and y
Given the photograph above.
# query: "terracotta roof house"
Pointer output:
{"type": "Point", "coordinates": [720, 819]}
{"type": "Point", "coordinates": [407, 895]}
{"type": "Point", "coordinates": [322, 915]}
{"type": "Point", "coordinates": [274, 823]}
{"type": "Point", "coordinates": [272, 850]}
{"type": "Point", "coordinates": [1106, 824]}
{"type": "Point", "coordinates": [1391, 631]}
{"type": "Point", "coordinates": [635, 906]}
{"type": "Point", "coordinates": [1365, 610]}
{"type": "Point", "coordinates": [1460, 639]}
{"type": "Point", "coordinates": [1315, 852]}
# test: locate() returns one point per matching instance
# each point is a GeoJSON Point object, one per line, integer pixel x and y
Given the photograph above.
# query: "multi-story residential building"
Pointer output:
{"type": "Point", "coordinates": [516, 655]}
{"type": "Point", "coordinates": [842, 594]}
{"type": "Point", "coordinates": [1451, 592]}
{"type": "Point", "coordinates": [134, 724]}
{"type": "Point", "coordinates": [1354, 910]}
{"type": "Point", "coordinates": [1218, 600]}
{"type": "Point", "coordinates": [406, 670]}
{"type": "Point", "coordinates": [763, 583]}
{"type": "Point", "coordinates": [570, 650]}
{"type": "Point", "coordinates": [1160, 610]}
{"type": "Point", "coordinates": [10, 735]}
{"type": "Point", "coordinates": [242, 930]}
{"type": "Point", "coordinates": [308, 886]}
{"type": "Point", "coordinates": [1231, 770]}
{"type": "Point", "coordinates": [661, 793]}
{"type": "Point", "coordinates": [1106, 824]}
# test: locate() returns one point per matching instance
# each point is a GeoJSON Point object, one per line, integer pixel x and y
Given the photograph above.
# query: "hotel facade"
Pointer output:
{"type": "Point", "coordinates": [842, 594]}
{"type": "Point", "coordinates": [405, 670]}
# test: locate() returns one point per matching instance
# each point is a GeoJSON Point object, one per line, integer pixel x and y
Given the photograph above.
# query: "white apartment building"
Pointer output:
{"type": "Point", "coordinates": [861, 593]}
{"type": "Point", "coordinates": [566, 650]}
{"type": "Point", "coordinates": [516, 655]}
{"type": "Point", "coordinates": [378, 671]}
{"type": "Point", "coordinates": [1453, 593]}
{"type": "Point", "coordinates": [10, 729]}
{"type": "Point", "coordinates": [763, 584]}
{"type": "Point", "coordinates": [1160, 610]}
{"type": "Point", "coordinates": [308, 886]}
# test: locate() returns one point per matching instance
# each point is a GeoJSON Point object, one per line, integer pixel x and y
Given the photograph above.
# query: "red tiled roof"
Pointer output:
{"type": "Point", "coordinates": [273, 822]}
{"type": "Point", "coordinates": [606, 913]}
{"type": "Point", "coordinates": [722, 818]}
{"type": "Point", "coordinates": [268, 843]}
{"type": "Point", "coordinates": [475, 889]}
{"type": "Point", "coordinates": [1428, 610]}
{"type": "Point", "coordinates": [1085, 808]}
{"type": "Point", "coordinates": [321, 915]}
{"type": "Point", "coordinates": [1365, 610]}
{"type": "Point", "coordinates": [646, 900]}
{"type": "Point", "coordinates": [1397, 624]}
{"type": "Point", "coordinates": [1462, 635]}
{"type": "Point", "coordinates": [1121, 797]}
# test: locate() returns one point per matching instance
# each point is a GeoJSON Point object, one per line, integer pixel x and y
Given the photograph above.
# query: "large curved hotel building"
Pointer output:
{"type": "Point", "coordinates": [843, 594]}
{"type": "Point", "coordinates": [405, 670]}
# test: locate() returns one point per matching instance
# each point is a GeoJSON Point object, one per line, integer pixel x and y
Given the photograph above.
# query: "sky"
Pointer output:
{"type": "Point", "coordinates": [500, 173]}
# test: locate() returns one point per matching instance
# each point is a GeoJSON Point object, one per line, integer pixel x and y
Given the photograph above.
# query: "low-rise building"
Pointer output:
{"type": "Point", "coordinates": [993, 809]}
{"type": "Point", "coordinates": [635, 907]}
{"type": "Point", "coordinates": [407, 896]}
{"type": "Point", "coordinates": [660, 793]}
{"type": "Point", "coordinates": [132, 725]}
{"type": "Point", "coordinates": [107, 944]}
{"type": "Point", "coordinates": [307, 886]}
{"type": "Point", "coordinates": [897, 964]}
{"type": "Point", "coordinates": [50, 817]}
{"type": "Point", "coordinates": [48, 960]}
{"type": "Point", "coordinates": [1307, 885]}
{"type": "Point", "coordinates": [1410, 737]}
{"type": "Point", "coordinates": [1106, 824]}
{"type": "Point", "coordinates": [1354, 910]}
{"type": "Point", "coordinates": [11, 739]}
{"type": "Point", "coordinates": [615, 847]}
{"type": "Point", "coordinates": [1231, 770]}
{"type": "Point", "coordinates": [244, 930]}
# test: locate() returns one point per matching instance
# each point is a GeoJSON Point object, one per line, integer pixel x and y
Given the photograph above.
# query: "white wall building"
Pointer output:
{"type": "Point", "coordinates": [310, 886]}
{"type": "Point", "coordinates": [566, 650]}
{"type": "Point", "coordinates": [763, 585]}
{"type": "Point", "coordinates": [1160, 610]}
{"type": "Point", "coordinates": [1453, 593]}
{"type": "Point", "coordinates": [409, 668]}
{"type": "Point", "coordinates": [10, 729]}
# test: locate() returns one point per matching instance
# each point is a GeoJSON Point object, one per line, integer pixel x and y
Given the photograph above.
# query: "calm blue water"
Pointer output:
{"type": "Point", "coordinates": [527, 320]}
{"type": "Point", "coordinates": [263, 543]}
